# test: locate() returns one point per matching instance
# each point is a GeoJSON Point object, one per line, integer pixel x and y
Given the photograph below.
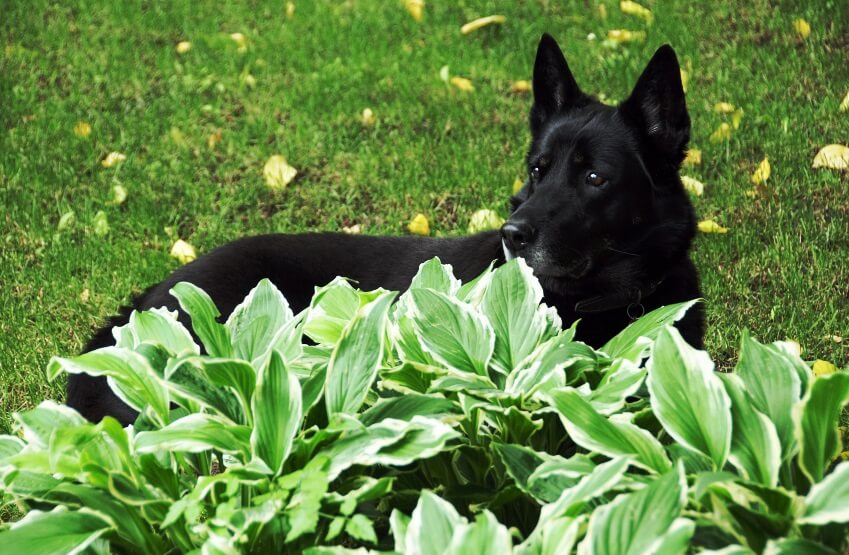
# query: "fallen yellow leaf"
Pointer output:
{"type": "Point", "coordinates": [823, 367]}
{"type": "Point", "coordinates": [462, 83]}
{"type": "Point", "coordinates": [178, 137]}
{"type": "Point", "coordinates": [624, 35]}
{"type": "Point", "coordinates": [484, 220]}
{"type": "Point", "coordinates": [835, 157]}
{"type": "Point", "coordinates": [844, 105]}
{"type": "Point", "coordinates": [367, 118]}
{"type": "Point", "coordinates": [762, 173]}
{"type": "Point", "coordinates": [517, 185]}
{"type": "Point", "coordinates": [183, 252]}
{"type": "Point", "coordinates": [119, 195]}
{"type": "Point", "coordinates": [520, 86]}
{"type": "Point", "coordinates": [183, 46]}
{"type": "Point", "coordinates": [290, 9]}
{"type": "Point", "coordinates": [693, 185]}
{"type": "Point", "coordinates": [632, 8]}
{"type": "Point", "coordinates": [737, 117]}
{"type": "Point", "coordinates": [82, 129]}
{"type": "Point", "coordinates": [213, 140]}
{"type": "Point", "coordinates": [685, 79]}
{"type": "Point", "coordinates": [482, 22]}
{"type": "Point", "coordinates": [85, 295]}
{"type": "Point", "coordinates": [101, 223]}
{"type": "Point", "coordinates": [112, 159]}
{"type": "Point", "coordinates": [694, 157]}
{"type": "Point", "coordinates": [602, 11]}
{"type": "Point", "coordinates": [710, 226]}
{"type": "Point", "coordinates": [241, 41]}
{"type": "Point", "coordinates": [802, 27]}
{"type": "Point", "coordinates": [249, 80]}
{"type": "Point", "coordinates": [722, 133]}
{"type": "Point", "coordinates": [278, 173]}
{"type": "Point", "coordinates": [723, 107]}
{"type": "Point", "coordinates": [355, 229]}
{"type": "Point", "coordinates": [416, 8]}
{"type": "Point", "coordinates": [419, 225]}
{"type": "Point", "coordinates": [443, 73]}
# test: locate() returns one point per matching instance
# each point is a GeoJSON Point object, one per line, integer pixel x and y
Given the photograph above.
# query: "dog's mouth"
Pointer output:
{"type": "Point", "coordinates": [572, 271]}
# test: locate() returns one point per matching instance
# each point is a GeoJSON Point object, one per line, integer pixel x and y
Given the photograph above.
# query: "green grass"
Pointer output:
{"type": "Point", "coordinates": [781, 270]}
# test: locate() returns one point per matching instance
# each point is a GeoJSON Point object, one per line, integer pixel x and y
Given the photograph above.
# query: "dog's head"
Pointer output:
{"type": "Point", "coordinates": [601, 180]}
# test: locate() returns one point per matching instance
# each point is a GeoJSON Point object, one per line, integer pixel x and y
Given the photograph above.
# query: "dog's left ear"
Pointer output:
{"type": "Point", "coordinates": [555, 88]}
{"type": "Point", "coordinates": [658, 107]}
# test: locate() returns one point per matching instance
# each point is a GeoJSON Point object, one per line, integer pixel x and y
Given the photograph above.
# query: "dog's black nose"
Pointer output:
{"type": "Point", "coordinates": [517, 235]}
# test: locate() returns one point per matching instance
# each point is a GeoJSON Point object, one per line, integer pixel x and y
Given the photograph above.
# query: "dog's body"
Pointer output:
{"type": "Point", "coordinates": [603, 220]}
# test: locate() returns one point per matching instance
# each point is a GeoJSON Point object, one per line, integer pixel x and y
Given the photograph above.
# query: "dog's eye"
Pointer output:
{"type": "Point", "coordinates": [595, 179]}
{"type": "Point", "coordinates": [535, 173]}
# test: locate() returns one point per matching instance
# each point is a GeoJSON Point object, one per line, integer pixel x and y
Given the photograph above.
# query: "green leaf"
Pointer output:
{"type": "Point", "coordinates": [10, 445]}
{"type": "Point", "coordinates": [192, 389]}
{"type": "Point", "coordinates": [332, 307]}
{"type": "Point", "coordinates": [38, 425]}
{"type": "Point", "coordinates": [453, 332]}
{"type": "Point", "coordinates": [399, 523]}
{"type": "Point", "coordinates": [432, 526]}
{"type": "Point", "coordinates": [512, 305]}
{"type": "Point", "coordinates": [828, 501]}
{"type": "Point", "coordinates": [196, 433]}
{"type": "Point", "coordinates": [277, 411]}
{"type": "Point", "coordinates": [687, 397]}
{"type": "Point", "coordinates": [237, 375]}
{"type": "Point", "coordinates": [255, 323]}
{"type": "Point", "coordinates": [614, 438]}
{"type": "Point", "coordinates": [361, 528]}
{"type": "Point", "coordinates": [60, 531]}
{"type": "Point", "coordinates": [485, 535]}
{"type": "Point", "coordinates": [622, 379]}
{"type": "Point", "coordinates": [645, 521]}
{"type": "Point", "coordinates": [817, 418]}
{"type": "Point", "coordinates": [573, 500]}
{"type": "Point", "coordinates": [204, 314]}
{"type": "Point", "coordinates": [774, 386]}
{"type": "Point", "coordinates": [755, 447]}
{"type": "Point", "coordinates": [434, 275]}
{"type": "Point", "coordinates": [130, 376]}
{"type": "Point", "coordinates": [356, 358]}
{"type": "Point", "coordinates": [158, 326]}
{"type": "Point", "coordinates": [797, 546]}
{"type": "Point", "coordinates": [634, 342]}
{"type": "Point", "coordinates": [560, 358]}
{"type": "Point", "coordinates": [303, 509]}
{"type": "Point", "coordinates": [407, 406]}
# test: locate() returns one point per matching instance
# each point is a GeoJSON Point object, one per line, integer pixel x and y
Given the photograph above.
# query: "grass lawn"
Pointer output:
{"type": "Point", "coordinates": [299, 90]}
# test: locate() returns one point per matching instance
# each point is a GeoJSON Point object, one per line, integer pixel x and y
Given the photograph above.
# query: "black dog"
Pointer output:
{"type": "Point", "coordinates": [603, 220]}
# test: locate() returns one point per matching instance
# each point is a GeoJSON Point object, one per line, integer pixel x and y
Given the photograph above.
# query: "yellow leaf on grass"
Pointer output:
{"type": "Point", "coordinates": [183, 46]}
{"type": "Point", "coordinates": [762, 173]}
{"type": "Point", "coordinates": [278, 173]}
{"type": "Point", "coordinates": [685, 79]}
{"type": "Point", "coordinates": [823, 367]}
{"type": "Point", "coordinates": [213, 140]}
{"type": "Point", "coordinates": [694, 157]}
{"type": "Point", "coordinates": [482, 22]}
{"type": "Point", "coordinates": [624, 35]}
{"type": "Point", "coordinates": [241, 41]}
{"type": "Point", "coordinates": [723, 107]}
{"type": "Point", "coordinates": [85, 295]}
{"type": "Point", "coordinates": [249, 80]}
{"type": "Point", "coordinates": [710, 226]}
{"type": "Point", "coordinates": [517, 185]}
{"type": "Point", "coordinates": [844, 105]}
{"type": "Point", "coordinates": [722, 133]}
{"type": "Point", "coordinates": [602, 11]}
{"type": "Point", "coordinates": [367, 118]}
{"type": "Point", "coordinates": [119, 195]}
{"type": "Point", "coordinates": [693, 185]}
{"type": "Point", "coordinates": [290, 9]}
{"type": "Point", "coordinates": [802, 27]}
{"type": "Point", "coordinates": [484, 220]}
{"type": "Point", "coordinates": [113, 159]}
{"type": "Point", "coordinates": [416, 8]}
{"type": "Point", "coordinates": [736, 118]}
{"type": "Point", "coordinates": [101, 223]}
{"type": "Point", "coordinates": [82, 129]}
{"type": "Point", "coordinates": [183, 251]}
{"type": "Point", "coordinates": [462, 83]}
{"type": "Point", "coordinates": [835, 157]}
{"type": "Point", "coordinates": [521, 86]}
{"type": "Point", "coordinates": [419, 225]}
{"type": "Point", "coordinates": [632, 8]}
{"type": "Point", "coordinates": [355, 229]}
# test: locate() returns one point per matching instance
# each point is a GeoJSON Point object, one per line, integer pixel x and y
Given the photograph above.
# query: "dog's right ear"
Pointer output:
{"type": "Point", "coordinates": [555, 89]}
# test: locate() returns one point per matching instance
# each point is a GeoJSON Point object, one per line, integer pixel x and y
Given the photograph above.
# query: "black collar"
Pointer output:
{"type": "Point", "coordinates": [630, 299]}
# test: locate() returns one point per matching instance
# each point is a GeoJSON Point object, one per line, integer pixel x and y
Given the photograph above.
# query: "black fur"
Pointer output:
{"type": "Point", "coordinates": [601, 246]}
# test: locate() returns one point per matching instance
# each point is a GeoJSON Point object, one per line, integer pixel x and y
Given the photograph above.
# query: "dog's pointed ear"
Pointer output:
{"type": "Point", "coordinates": [657, 105]}
{"type": "Point", "coordinates": [555, 89]}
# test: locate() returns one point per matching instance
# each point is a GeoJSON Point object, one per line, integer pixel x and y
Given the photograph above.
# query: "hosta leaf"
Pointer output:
{"type": "Point", "coordinates": [828, 501]}
{"type": "Point", "coordinates": [432, 526]}
{"type": "Point", "coordinates": [399, 523]}
{"type": "Point", "coordinates": [237, 375]}
{"type": "Point", "coordinates": [38, 425]}
{"type": "Point", "coordinates": [797, 546]}
{"type": "Point", "coordinates": [634, 341]}
{"type": "Point", "coordinates": [10, 445]}
{"type": "Point", "coordinates": [158, 326]}
{"type": "Point", "coordinates": [484, 535]}
{"type": "Point", "coordinates": [773, 384]}
{"type": "Point", "coordinates": [687, 397]}
{"type": "Point", "coordinates": [331, 308]}
{"type": "Point", "coordinates": [613, 438]}
{"type": "Point", "coordinates": [621, 380]}
{"type": "Point", "coordinates": [512, 305]}
{"type": "Point", "coordinates": [560, 359]}
{"type": "Point", "coordinates": [572, 501]}
{"type": "Point", "coordinates": [453, 332]}
{"type": "Point", "coordinates": [436, 276]}
{"type": "Point", "coordinates": [408, 406]}
{"type": "Point", "coordinates": [356, 357]}
{"type": "Point", "coordinates": [60, 531]}
{"type": "Point", "coordinates": [646, 521]}
{"type": "Point", "coordinates": [278, 410]}
{"type": "Point", "coordinates": [817, 417]}
{"type": "Point", "coordinates": [755, 447]}
{"type": "Point", "coordinates": [129, 374]}
{"type": "Point", "coordinates": [254, 324]}
{"type": "Point", "coordinates": [192, 389]}
{"type": "Point", "coordinates": [196, 433]}
{"type": "Point", "coordinates": [204, 314]}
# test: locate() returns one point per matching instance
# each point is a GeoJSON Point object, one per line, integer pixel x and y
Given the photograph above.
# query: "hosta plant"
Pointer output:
{"type": "Point", "coordinates": [452, 418]}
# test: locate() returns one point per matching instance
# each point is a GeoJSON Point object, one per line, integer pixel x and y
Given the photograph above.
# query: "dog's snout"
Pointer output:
{"type": "Point", "coordinates": [517, 235]}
